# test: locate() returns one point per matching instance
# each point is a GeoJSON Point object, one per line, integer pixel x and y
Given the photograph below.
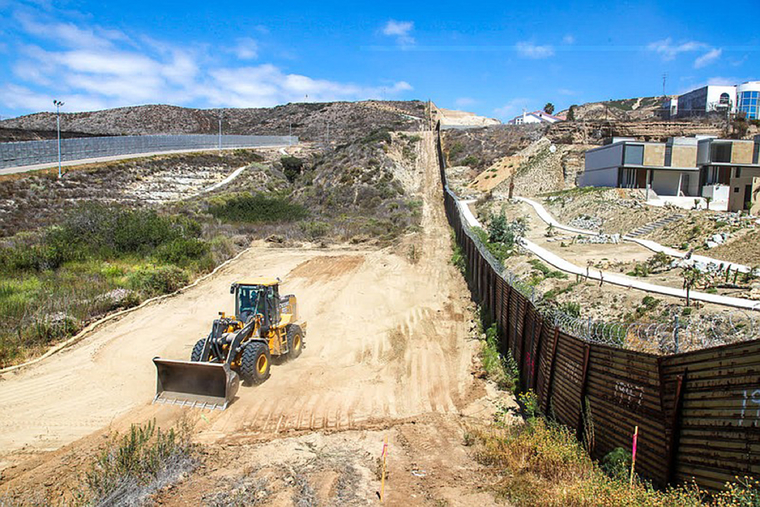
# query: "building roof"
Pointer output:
{"type": "Point", "coordinates": [541, 115]}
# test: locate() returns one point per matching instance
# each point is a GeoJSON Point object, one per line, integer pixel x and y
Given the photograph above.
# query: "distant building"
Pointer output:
{"type": "Point", "coordinates": [715, 99]}
{"type": "Point", "coordinates": [725, 170]}
{"type": "Point", "coordinates": [748, 96]}
{"type": "Point", "coordinates": [706, 100]}
{"type": "Point", "coordinates": [534, 117]}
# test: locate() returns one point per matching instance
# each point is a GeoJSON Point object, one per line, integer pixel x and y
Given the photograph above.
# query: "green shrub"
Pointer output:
{"type": "Point", "coordinates": [378, 136]}
{"type": "Point", "coordinates": [256, 208]}
{"type": "Point", "coordinates": [131, 465]}
{"type": "Point", "coordinates": [158, 280]}
{"type": "Point", "coordinates": [181, 251]}
{"type": "Point", "coordinates": [571, 308]}
{"type": "Point", "coordinates": [315, 230]}
{"type": "Point", "coordinates": [503, 371]}
{"type": "Point", "coordinates": [617, 463]}
{"type": "Point", "coordinates": [470, 161]}
{"type": "Point", "coordinates": [292, 167]}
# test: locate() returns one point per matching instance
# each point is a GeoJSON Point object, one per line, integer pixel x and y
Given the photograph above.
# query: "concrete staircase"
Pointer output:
{"type": "Point", "coordinates": [646, 229]}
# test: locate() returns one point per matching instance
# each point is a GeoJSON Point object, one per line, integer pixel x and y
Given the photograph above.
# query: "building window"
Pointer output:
{"type": "Point", "coordinates": [736, 190]}
{"type": "Point", "coordinates": [738, 172]}
{"type": "Point", "coordinates": [721, 152]}
{"type": "Point", "coordinates": [633, 154]}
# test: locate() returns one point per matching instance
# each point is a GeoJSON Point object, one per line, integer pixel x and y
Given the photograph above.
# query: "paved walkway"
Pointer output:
{"type": "Point", "coordinates": [606, 277]}
{"type": "Point", "coordinates": [646, 243]}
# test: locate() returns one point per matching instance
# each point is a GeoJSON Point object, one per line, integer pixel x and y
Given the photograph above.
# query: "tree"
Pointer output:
{"type": "Point", "coordinates": [292, 167]}
{"type": "Point", "coordinates": [549, 108]}
{"type": "Point", "coordinates": [571, 113]}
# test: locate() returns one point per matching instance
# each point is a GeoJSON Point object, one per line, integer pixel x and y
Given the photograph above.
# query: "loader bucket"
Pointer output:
{"type": "Point", "coordinates": [195, 384]}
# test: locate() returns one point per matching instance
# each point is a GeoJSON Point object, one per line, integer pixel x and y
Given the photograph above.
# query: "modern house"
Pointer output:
{"type": "Point", "coordinates": [730, 170]}
{"type": "Point", "coordinates": [724, 170]}
{"type": "Point", "coordinates": [748, 96]}
{"type": "Point", "coordinates": [667, 168]}
{"type": "Point", "coordinates": [534, 117]}
{"type": "Point", "coordinates": [706, 100]}
{"type": "Point", "coordinates": [715, 99]}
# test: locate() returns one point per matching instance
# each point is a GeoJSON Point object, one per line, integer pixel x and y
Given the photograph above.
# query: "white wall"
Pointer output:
{"type": "Point", "coordinates": [714, 93]}
{"type": "Point", "coordinates": [601, 166]}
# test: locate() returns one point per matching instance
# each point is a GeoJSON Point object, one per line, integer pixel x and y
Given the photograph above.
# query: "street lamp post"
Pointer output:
{"type": "Point", "coordinates": [58, 105]}
{"type": "Point", "coordinates": [221, 115]}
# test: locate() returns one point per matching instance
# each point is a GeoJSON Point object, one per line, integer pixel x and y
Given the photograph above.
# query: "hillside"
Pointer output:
{"type": "Point", "coordinates": [334, 121]}
{"type": "Point", "coordinates": [640, 108]}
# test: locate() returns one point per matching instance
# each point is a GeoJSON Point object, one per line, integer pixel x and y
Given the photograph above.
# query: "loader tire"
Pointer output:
{"type": "Point", "coordinates": [295, 341]}
{"type": "Point", "coordinates": [197, 351]}
{"type": "Point", "coordinates": [255, 363]}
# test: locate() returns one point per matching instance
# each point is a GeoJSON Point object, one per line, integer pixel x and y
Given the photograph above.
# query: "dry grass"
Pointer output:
{"type": "Point", "coordinates": [540, 463]}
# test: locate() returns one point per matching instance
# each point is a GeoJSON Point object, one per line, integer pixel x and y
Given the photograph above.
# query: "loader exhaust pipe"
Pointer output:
{"type": "Point", "coordinates": [195, 384]}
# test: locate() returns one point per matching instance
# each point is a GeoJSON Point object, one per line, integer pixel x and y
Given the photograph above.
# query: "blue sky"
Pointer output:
{"type": "Point", "coordinates": [493, 58]}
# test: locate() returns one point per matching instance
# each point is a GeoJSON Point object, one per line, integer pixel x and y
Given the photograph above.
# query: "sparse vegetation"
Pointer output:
{"type": "Point", "coordinates": [133, 466]}
{"type": "Point", "coordinates": [503, 370]}
{"type": "Point", "coordinates": [541, 463]}
{"type": "Point", "coordinates": [99, 259]}
{"type": "Point", "coordinates": [256, 208]}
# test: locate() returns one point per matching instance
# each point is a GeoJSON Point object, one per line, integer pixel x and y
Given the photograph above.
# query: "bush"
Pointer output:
{"type": "Point", "coordinates": [134, 465]}
{"type": "Point", "coordinates": [617, 463]}
{"type": "Point", "coordinates": [182, 250]}
{"type": "Point", "coordinates": [503, 371]}
{"type": "Point", "coordinates": [470, 161]}
{"type": "Point", "coordinates": [315, 230]}
{"type": "Point", "coordinates": [256, 208]}
{"type": "Point", "coordinates": [158, 280]}
{"type": "Point", "coordinates": [378, 136]}
{"type": "Point", "coordinates": [291, 167]}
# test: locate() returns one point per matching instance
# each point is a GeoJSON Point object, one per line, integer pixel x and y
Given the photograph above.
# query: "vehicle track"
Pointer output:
{"type": "Point", "coordinates": [385, 341]}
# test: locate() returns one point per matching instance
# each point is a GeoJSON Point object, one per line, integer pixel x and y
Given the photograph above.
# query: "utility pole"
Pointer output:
{"type": "Point", "coordinates": [221, 115]}
{"type": "Point", "coordinates": [664, 80]}
{"type": "Point", "coordinates": [58, 105]}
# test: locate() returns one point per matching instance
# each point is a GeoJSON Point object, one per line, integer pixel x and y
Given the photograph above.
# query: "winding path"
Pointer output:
{"type": "Point", "coordinates": [607, 277]}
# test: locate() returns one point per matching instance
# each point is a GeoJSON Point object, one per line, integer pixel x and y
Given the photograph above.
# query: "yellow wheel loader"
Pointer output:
{"type": "Point", "coordinates": [239, 347]}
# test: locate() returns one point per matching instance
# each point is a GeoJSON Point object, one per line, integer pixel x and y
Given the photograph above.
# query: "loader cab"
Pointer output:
{"type": "Point", "coordinates": [258, 296]}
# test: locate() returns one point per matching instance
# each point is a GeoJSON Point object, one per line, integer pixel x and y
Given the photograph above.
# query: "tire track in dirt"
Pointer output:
{"type": "Point", "coordinates": [385, 341]}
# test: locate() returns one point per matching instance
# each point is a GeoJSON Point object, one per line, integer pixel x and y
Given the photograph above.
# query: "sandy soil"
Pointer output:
{"type": "Point", "coordinates": [386, 344]}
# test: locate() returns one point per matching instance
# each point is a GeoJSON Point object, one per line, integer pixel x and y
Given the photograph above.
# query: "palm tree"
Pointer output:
{"type": "Point", "coordinates": [549, 108]}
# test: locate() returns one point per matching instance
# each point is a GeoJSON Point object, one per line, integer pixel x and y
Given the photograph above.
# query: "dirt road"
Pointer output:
{"type": "Point", "coordinates": [386, 341]}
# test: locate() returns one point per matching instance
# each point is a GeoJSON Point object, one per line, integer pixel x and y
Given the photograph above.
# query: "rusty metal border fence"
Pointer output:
{"type": "Point", "coordinates": [24, 153]}
{"type": "Point", "coordinates": [698, 412]}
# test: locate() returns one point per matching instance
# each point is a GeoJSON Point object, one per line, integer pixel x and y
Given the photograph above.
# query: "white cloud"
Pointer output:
{"type": "Point", "coordinates": [99, 68]}
{"type": "Point", "coordinates": [568, 39]}
{"type": "Point", "coordinates": [246, 49]}
{"type": "Point", "coordinates": [401, 30]}
{"type": "Point", "coordinates": [267, 85]}
{"type": "Point", "coordinates": [530, 50]}
{"type": "Point", "coordinates": [511, 108]}
{"type": "Point", "coordinates": [707, 58]}
{"type": "Point", "coordinates": [669, 51]}
{"type": "Point", "coordinates": [465, 101]}
{"type": "Point", "coordinates": [565, 91]}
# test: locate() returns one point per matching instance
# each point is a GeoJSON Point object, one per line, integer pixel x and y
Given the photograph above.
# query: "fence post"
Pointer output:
{"type": "Point", "coordinates": [550, 380]}
{"type": "Point", "coordinates": [675, 426]}
{"type": "Point", "coordinates": [523, 355]}
{"type": "Point", "coordinates": [584, 383]}
{"type": "Point", "coordinates": [537, 358]}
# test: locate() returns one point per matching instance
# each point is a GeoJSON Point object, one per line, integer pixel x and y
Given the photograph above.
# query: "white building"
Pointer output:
{"type": "Point", "coordinates": [706, 100]}
{"type": "Point", "coordinates": [534, 117]}
{"type": "Point", "coordinates": [748, 97]}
